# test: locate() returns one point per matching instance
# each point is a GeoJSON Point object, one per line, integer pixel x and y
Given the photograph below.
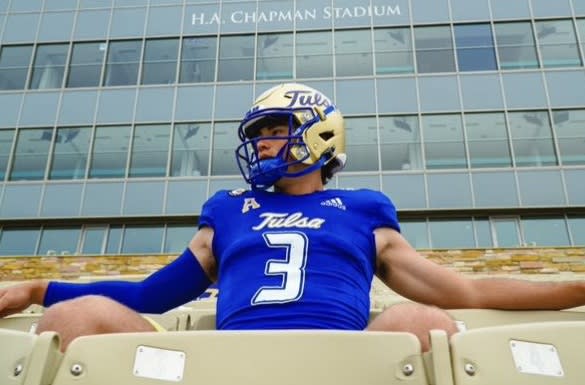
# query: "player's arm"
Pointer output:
{"type": "Point", "coordinates": [411, 275]}
{"type": "Point", "coordinates": [175, 284]}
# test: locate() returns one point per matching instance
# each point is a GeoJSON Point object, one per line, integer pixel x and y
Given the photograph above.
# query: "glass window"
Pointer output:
{"type": "Point", "coordinates": [400, 143]}
{"type": "Point", "coordinates": [114, 240]}
{"type": "Point", "coordinates": [439, 93]}
{"type": "Point", "coordinates": [177, 237]}
{"type": "Point", "coordinates": [575, 186]}
{"type": "Point", "coordinates": [161, 97]}
{"type": "Point", "coordinates": [434, 49]}
{"type": "Point", "coordinates": [532, 139]}
{"type": "Point", "coordinates": [545, 232]}
{"type": "Point", "coordinates": [190, 149]}
{"type": "Point", "coordinates": [314, 54]}
{"type": "Point", "coordinates": [506, 232]}
{"type": "Point", "coordinates": [122, 64]}
{"type": "Point", "coordinates": [481, 91]}
{"type": "Point", "coordinates": [30, 156]}
{"type": "Point", "coordinates": [78, 107]}
{"type": "Point", "coordinates": [454, 233]}
{"type": "Point", "coordinates": [6, 139]}
{"type": "Point", "coordinates": [449, 190]}
{"type": "Point", "coordinates": [56, 26]}
{"type": "Point", "coordinates": [16, 241]}
{"type": "Point", "coordinates": [116, 105]}
{"type": "Point", "coordinates": [14, 62]}
{"type": "Point", "coordinates": [235, 99]}
{"type": "Point", "coordinates": [102, 199]}
{"type": "Point", "coordinates": [483, 232]}
{"type": "Point", "coordinates": [198, 59]}
{"type": "Point", "coordinates": [346, 91]}
{"type": "Point", "coordinates": [92, 24]}
{"type": "Point", "coordinates": [416, 233]}
{"type": "Point", "coordinates": [142, 239]}
{"type": "Point", "coordinates": [524, 89]}
{"type": "Point", "coordinates": [362, 144]}
{"type": "Point", "coordinates": [569, 128]}
{"type": "Point", "coordinates": [275, 56]}
{"type": "Point", "coordinates": [225, 142]}
{"type": "Point", "coordinates": [85, 68]}
{"type": "Point", "coordinates": [70, 153]}
{"type": "Point", "coordinates": [49, 66]}
{"type": "Point", "coordinates": [394, 51]}
{"type": "Point", "coordinates": [236, 58]}
{"type": "Point", "coordinates": [127, 22]}
{"type": "Point", "coordinates": [487, 139]}
{"type": "Point", "coordinates": [144, 197]}
{"type": "Point", "coordinates": [577, 228]}
{"type": "Point", "coordinates": [443, 142]}
{"type": "Point", "coordinates": [110, 152]}
{"type": "Point", "coordinates": [542, 188]}
{"type": "Point", "coordinates": [516, 48]}
{"type": "Point", "coordinates": [60, 241]}
{"type": "Point", "coordinates": [160, 61]}
{"type": "Point", "coordinates": [61, 200]}
{"type": "Point", "coordinates": [186, 110]}
{"type": "Point", "coordinates": [406, 190]}
{"type": "Point", "coordinates": [20, 27]}
{"type": "Point", "coordinates": [353, 52]}
{"type": "Point", "coordinates": [557, 43]}
{"type": "Point", "coordinates": [93, 240]}
{"type": "Point", "coordinates": [581, 31]}
{"type": "Point", "coordinates": [424, 11]}
{"type": "Point", "coordinates": [164, 21]}
{"type": "Point", "coordinates": [150, 150]}
{"type": "Point", "coordinates": [495, 189]}
{"type": "Point", "coordinates": [397, 95]}
{"type": "Point", "coordinates": [475, 47]}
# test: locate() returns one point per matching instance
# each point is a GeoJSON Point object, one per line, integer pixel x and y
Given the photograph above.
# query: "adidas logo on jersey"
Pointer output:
{"type": "Point", "coordinates": [334, 202]}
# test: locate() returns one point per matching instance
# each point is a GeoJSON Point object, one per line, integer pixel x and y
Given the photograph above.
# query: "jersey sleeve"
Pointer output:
{"type": "Point", "coordinates": [383, 212]}
{"type": "Point", "coordinates": [209, 211]}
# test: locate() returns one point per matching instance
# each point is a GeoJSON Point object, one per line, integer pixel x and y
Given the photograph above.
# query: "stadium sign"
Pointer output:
{"type": "Point", "coordinates": [325, 13]}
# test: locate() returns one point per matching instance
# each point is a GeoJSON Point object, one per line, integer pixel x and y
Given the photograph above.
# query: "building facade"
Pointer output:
{"type": "Point", "coordinates": [118, 118]}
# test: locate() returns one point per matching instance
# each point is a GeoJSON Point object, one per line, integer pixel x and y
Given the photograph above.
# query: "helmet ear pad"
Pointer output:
{"type": "Point", "coordinates": [325, 138]}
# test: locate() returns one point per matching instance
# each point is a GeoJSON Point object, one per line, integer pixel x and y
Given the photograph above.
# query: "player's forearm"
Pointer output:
{"type": "Point", "coordinates": [38, 289]}
{"type": "Point", "coordinates": [513, 294]}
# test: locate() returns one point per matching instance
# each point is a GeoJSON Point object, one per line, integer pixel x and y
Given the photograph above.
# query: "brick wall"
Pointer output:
{"type": "Point", "coordinates": [556, 263]}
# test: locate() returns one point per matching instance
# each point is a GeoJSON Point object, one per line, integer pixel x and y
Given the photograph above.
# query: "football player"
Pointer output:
{"type": "Point", "coordinates": [289, 253]}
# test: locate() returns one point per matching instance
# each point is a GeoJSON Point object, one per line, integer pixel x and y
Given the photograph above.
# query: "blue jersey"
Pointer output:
{"type": "Point", "coordinates": [295, 262]}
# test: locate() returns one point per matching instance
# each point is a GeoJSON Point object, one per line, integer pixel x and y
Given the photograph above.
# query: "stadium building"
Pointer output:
{"type": "Point", "coordinates": [118, 117]}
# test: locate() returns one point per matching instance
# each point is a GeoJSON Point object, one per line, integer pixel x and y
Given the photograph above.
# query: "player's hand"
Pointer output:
{"type": "Point", "coordinates": [14, 299]}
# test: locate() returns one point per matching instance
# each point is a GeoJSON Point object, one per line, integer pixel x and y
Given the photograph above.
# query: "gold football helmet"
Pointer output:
{"type": "Point", "coordinates": [316, 135]}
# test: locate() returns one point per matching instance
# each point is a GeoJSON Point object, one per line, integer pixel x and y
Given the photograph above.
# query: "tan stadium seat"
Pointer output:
{"type": "Point", "coordinates": [244, 358]}
{"type": "Point", "coordinates": [202, 319]}
{"type": "Point", "coordinates": [22, 322]}
{"type": "Point", "coordinates": [172, 321]}
{"type": "Point", "coordinates": [522, 354]}
{"type": "Point", "coordinates": [476, 318]}
{"type": "Point", "coordinates": [27, 358]}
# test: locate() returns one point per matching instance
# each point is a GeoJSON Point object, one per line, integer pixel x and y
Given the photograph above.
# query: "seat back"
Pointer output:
{"type": "Point", "coordinates": [202, 319]}
{"type": "Point", "coordinates": [244, 358]}
{"type": "Point", "coordinates": [27, 358]}
{"type": "Point", "coordinates": [22, 322]}
{"type": "Point", "coordinates": [478, 318]}
{"type": "Point", "coordinates": [521, 354]}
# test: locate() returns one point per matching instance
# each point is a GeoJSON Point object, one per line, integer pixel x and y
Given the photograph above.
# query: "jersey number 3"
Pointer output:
{"type": "Point", "coordinates": [292, 268]}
